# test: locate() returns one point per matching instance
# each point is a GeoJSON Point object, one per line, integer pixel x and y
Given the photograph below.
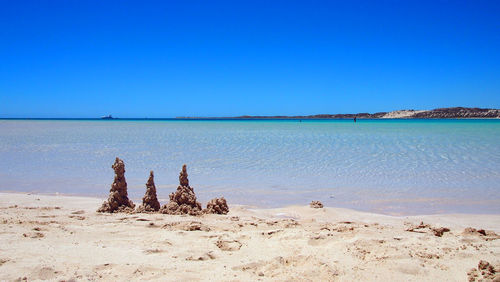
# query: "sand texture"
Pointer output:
{"type": "Point", "coordinates": [64, 238]}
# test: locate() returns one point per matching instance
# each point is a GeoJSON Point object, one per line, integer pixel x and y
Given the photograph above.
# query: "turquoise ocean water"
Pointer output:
{"type": "Point", "coordinates": [387, 166]}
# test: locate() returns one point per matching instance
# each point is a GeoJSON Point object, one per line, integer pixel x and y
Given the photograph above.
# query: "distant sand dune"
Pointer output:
{"type": "Point", "coordinates": [402, 113]}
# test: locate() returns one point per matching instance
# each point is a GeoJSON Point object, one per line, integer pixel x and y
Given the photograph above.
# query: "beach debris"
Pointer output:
{"type": "Point", "coordinates": [150, 201]}
{"type": "Point", "coordinates": [487, 235]}
{"type": "Point", "coordinates": [420, 228]}
{"type": "Point", "coordinates": [474, 231]}
{"type": "Point", "coordinates": [424, 228]}
{"type": "Point", "coordinates": [484, 265]}
{"type": "Point", "coordinates": [440, 231]}
{"type": "Point", "coordinates": [486, 270]}
{"type": "Point", "coordinates": [316, 205]}
{"type": "Point", "coordinates": [118, 198]}
{"type": "Point", "coordinates": [217, 206]}
{"type": "Point", "coordinates": [183, 201]}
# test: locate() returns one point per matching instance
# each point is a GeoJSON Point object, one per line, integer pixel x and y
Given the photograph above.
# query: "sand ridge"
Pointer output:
{"type": "Point", "coordinates": [63, 238]}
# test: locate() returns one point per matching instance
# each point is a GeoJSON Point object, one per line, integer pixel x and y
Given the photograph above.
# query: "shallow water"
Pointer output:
{"type": "Point", "coordinates": [388, 166]}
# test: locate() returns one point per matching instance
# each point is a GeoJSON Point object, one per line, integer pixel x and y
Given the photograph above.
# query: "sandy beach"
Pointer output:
{"type": "Point", "coordinates": [64, 238]}
{"type": "Point", "coordinates": [323, 140]}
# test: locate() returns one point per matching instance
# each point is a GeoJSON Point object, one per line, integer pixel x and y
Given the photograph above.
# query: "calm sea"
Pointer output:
{"type": "Point", "coordinates": [387, 166]}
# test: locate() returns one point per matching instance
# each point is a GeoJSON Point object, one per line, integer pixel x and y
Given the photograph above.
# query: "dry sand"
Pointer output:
{"type": "Point", "coordinates": [64, 238]}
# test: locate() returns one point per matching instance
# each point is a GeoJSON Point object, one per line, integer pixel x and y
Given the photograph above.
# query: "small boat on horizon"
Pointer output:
{"type": "Point", "coordinates": [107, 117]}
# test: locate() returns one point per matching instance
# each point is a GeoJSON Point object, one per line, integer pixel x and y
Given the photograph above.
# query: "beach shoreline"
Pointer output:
{"type": "Point", "coordinates": [164, 200]}
{"type": "Point", "coordinates": [63, 237]}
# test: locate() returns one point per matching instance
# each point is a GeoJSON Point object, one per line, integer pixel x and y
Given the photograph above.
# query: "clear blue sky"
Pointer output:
{"type": "Point", "coordinates": [224, 58]}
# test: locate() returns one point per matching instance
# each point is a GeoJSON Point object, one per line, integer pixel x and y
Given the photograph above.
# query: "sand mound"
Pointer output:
{"type": "Point", "coordinates": [183, 201]}
{"type": "Point", "coordinates": [487, 235]}
{"type": "Point", "coordinates": [118, 198]}
{"type": "Point", "coordinates": [217, 206]}
{"type": "Point", "coordinates": [316, 205]}
{"type": "Point", "coordinates": [150, 201]}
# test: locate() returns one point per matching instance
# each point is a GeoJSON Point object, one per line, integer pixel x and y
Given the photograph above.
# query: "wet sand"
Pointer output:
{"type": "Point", "coordinates": [63, 238]}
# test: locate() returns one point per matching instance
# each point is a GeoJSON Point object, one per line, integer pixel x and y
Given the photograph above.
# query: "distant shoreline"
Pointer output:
{"type": "Point", "coordinates": [237, 119]}
{"type": "Point", "coordinates": [439, 113]}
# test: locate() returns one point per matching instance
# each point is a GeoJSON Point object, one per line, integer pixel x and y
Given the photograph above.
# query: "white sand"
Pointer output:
{"type": "Point", "coordinates": [402, 113]}
{"type": "Point", "coordinates": [62, 238]}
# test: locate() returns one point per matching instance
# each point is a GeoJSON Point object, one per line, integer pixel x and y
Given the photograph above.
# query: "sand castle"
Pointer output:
{"type": "Point", "coordinates": [183, 201]}
{"type": "Point", "coordinates": [150, 201]}
{"type": "Point", "coordinates": [217, 206]}
{"type": "Point", "coordinates": [118, 198]}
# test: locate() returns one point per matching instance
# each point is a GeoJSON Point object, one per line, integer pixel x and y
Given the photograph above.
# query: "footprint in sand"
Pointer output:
{"type": "Point", "coordinates": [228, 245]}
{"type": "Point", "coordinates": [153, 251]}
{"type": "Point", "coordinates": [206, 256]}
{"type": "Point", "coordinates": [34, 235]}
{"type": "Point", "coordinates": [78, 212]}
{"type": "Point", "coordinates": [44, 273]}
{"type": "Point", "coordinates": [2, 261]}
{"type": "Point", "coordinates": [316, 240]}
